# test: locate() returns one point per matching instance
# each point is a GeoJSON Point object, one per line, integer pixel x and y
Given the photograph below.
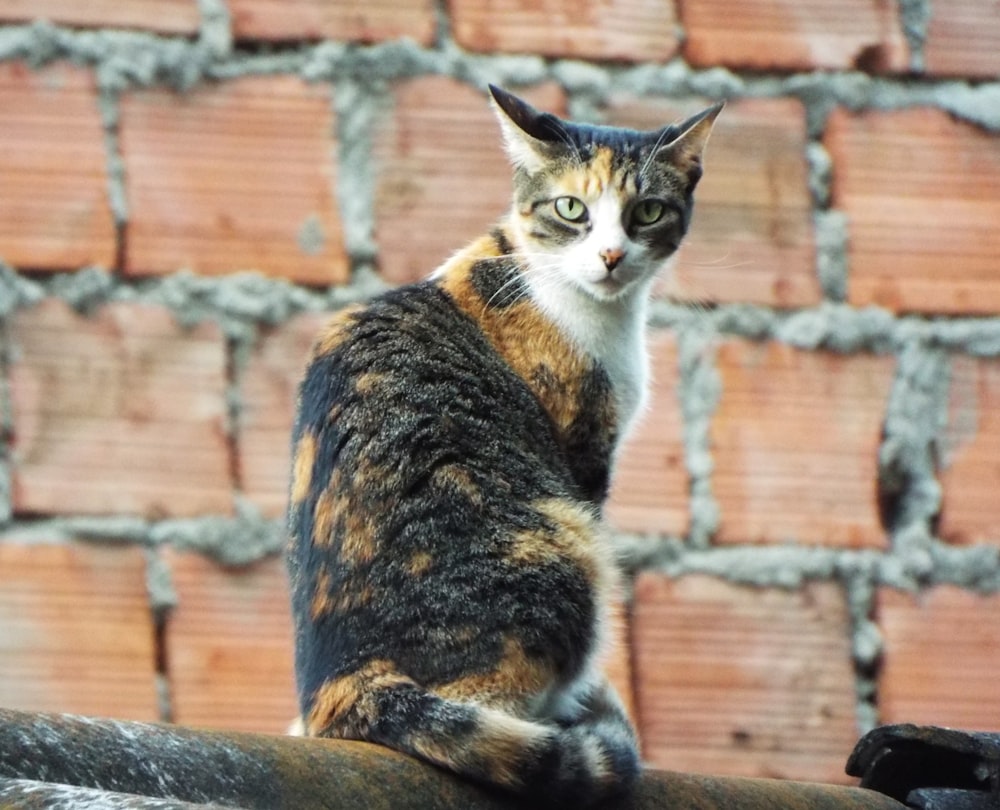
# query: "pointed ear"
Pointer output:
{"type": "Point", "coordinates": [685, 151]}
{"type": "Point", "coordinates": [530, 137]}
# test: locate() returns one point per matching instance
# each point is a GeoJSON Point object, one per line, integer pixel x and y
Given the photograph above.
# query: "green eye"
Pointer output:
{"type": "Point", "coordinates": [571, 209]}
{"type": "Point", "coordinates": [648, 211]}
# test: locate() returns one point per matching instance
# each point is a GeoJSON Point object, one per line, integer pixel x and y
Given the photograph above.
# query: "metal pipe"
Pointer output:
{"type": "Point", "coordinates": [261, 771]}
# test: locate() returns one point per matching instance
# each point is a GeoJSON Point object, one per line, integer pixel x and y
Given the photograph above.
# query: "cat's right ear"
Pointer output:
{"type": "Point", "coordinates": [530, 137]}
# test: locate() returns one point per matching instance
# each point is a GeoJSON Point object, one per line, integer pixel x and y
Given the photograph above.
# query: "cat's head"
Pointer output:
{"type": "Point", "coordinates": [599, 208]}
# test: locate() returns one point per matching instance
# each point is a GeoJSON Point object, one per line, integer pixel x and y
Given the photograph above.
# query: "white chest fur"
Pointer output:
{"type": "Point", "coordinates": [612, 332]}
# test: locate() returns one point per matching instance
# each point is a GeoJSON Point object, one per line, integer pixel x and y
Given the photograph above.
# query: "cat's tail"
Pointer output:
{"type": "Point", "coordinates": [576, 762]}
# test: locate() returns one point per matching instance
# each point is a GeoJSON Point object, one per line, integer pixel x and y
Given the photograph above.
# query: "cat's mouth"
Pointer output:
{"type": "Point", "coordinates": [607, 287]}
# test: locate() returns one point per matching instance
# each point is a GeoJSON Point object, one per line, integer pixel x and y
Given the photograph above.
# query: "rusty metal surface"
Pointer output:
{"type": "Point", "coordinates": [930, 767]}
{"type": "Point", "coordinates": [260, 771]}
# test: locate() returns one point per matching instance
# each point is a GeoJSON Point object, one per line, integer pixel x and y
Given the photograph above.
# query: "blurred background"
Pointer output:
{"type": "Point", "coordinates": [809, 514]}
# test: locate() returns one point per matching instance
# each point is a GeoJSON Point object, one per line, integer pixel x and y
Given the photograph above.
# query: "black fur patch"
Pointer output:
{"type": "Point", "coordinates": [498, 282]}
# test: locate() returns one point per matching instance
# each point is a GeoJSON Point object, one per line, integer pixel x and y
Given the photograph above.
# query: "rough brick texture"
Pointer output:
{"type": "Point", "coordinates": [424, 211]}
{"type": "Point", "coordinates": [166, 16]}
{"type": "Point", "coordinates": [963, 39]}
{"type": "Point", "coordinates": [794, 35]}
{"type": "Point", "coordinates": [229, 645]}
{"type": "Point", "coordinates": [122, 412]}
{"type": "Point", "coordinates": [76, 630]}
{"type": "Point", "coordinates": [631, 30]}
{"type": "Point", "coordinates": [849, 203]}
{"type": "Point", "coordinates": [233, 176]}
{"type": "Point", "coordinates": [736, 680]}
{"type": "Point", "coordinates": [752, 235]}
{"type": "Point", "coordinates": [970, 476]}
{"type": "Point", "coordinates": [54, 210]}
{"type": "Point", "coordinates": [268, 390]}
{"type": "Point", "coordinates": [915, 185]}
{"type": "Point", "coordinates": [649, 492]}
{"type": "Point", "coordinates": [796, 439]}
{"type": "Point", "coordinates": [940, 660]}
{"type": "Point", "coordinates": [318, 19]}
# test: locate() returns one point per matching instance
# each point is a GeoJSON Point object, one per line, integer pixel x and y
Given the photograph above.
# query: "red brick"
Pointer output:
{"type": "Point", "coordinates": [941, 658]}
{"type": "Point", "coordinates": [737, 680]}
{"type": "Point", "coordinates": [269, 389]}
{"type": "Point", "coordinates": [630, 30]}
{"type": "Point", "coordinates": [919, 189]}
{"type": "Point", "coordinates": [970, 477]}
{"type": "Point", "coordinates": [76, 630]}
{"type": "Point", "coordinates": [963, 39]}
{"type": "Point", "coordinates": [164, 16]}
{"type": "Point", "coordinates": [649, 490]}
{"type": "Point", "coordinates": [795, 442]}
{"type": "Point", "coordinates": [233, 176]}
{"type": "Point", "coordinates": [794, 35]}
{"type": "Point", "coordinates": [334, 19]}
{"type": "Point", "coordinates": [442, 176]}
{"type": "Point", "coordinates": [54, 209]}
{"type": "Point", "coordinates": [121, 412]}
{"type": "Point", "coordinates": [229, 645]}
{"type": "Point", "coordinates": [751, 239]}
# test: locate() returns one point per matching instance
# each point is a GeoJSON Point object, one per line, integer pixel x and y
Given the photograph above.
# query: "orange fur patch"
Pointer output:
{"type": "Point", "coordinates": [337, 700]}
{"type": "Point", "coordinates": [454, 476]}
{"type": "Point", "coordinates": [420, 563]}
{"type": "Point", "coordinates": [321, 603]}
{"type": "Point", "coordinates": [531, 344]}
{"type": "Point", "coordinates": [336, 329]}
{"type": "Point", "coordinates": [505, 742]}
{"type": "Point", "coordinates": [576, 538]}
{"type": "Point", "coordinates": [598, 174]}
{"type": "Point", "coordinates": [358, 543]}
{"type": "Point", "coordinates": [328, 507]}
{"type": "Point", "coordinates": [510, 684]}
{"type": "Point", "coordinates": [368, 382]}
{"type": "Point", "coordinates": [305, 458]}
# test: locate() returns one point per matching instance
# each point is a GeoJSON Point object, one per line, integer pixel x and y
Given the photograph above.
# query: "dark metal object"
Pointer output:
{"type": "Point", "coordinates": [930, 768]}
{"type": "Point", "coordinates": [259, 771]}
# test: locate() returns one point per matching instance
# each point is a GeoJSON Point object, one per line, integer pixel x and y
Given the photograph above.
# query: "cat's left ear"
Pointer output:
{"type": "Point", "coordinates": [685, 151]}
{"type": "Point", "coordinates": [532, 138]}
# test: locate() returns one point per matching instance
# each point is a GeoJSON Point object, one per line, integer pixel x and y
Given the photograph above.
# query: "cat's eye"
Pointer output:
{"type": "Point", "coordinates": [571, 209]}
{"type": "Point", "coordinates": [648, 211]}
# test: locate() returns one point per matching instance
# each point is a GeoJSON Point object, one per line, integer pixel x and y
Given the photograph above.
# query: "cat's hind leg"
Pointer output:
{"type": "Point", "coordinates": [572, 764]}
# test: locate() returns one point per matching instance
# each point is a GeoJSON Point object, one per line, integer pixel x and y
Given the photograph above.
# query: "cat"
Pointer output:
{"type": "Point", "coordinates": [452, 450]}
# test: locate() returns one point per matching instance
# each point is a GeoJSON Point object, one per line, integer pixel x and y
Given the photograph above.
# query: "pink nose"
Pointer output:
{"type": "Point", "coordinates": [612, 257]}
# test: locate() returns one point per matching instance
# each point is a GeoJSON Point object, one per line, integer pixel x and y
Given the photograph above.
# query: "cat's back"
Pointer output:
{"type": "Point", "coordinates": [401, 380]}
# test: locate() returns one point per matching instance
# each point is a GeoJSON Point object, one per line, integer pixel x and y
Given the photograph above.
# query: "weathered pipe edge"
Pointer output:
{"type": "Point", "coordinates": [263, 771]}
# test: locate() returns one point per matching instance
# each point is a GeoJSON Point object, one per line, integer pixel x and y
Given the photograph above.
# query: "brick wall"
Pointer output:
{"type": "Point", "coordinates": [809, 512]}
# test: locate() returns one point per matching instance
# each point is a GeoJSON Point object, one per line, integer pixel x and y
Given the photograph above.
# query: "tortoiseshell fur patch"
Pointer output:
{"type": "Point", "coordinates": [452, 450]}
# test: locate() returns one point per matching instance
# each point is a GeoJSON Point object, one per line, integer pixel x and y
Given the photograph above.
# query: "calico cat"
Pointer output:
{"type": "Point", "coordinates": [452, 450]}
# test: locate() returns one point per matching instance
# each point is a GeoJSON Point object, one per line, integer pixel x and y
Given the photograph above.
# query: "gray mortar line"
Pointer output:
{"type": "Point", "coordinates": [858, 575]}
{"type": "Point", "coordinates": [162, 600]}
{"type": "Point", "coordinates": [110, 111]}
{"type": "Point", "coordinates": [215, 32]}
{"type": "Point", "coordinates": [914, 18]}
{"type": "Point", "coordinates": [6, 430]}
{"type": "Point", "coordinates": [915, 419]}
{"type": "Point", "coordinates": [699, 388]}
{"type": "Point", "coordinates": [128, 59]}
{"type": "Point", "coordinates": [357, 109]}
{"type": "Point", "coordinates": [243, 302]}
{"type": "Point", "coordinates": [788, 566]}
{"type": "Point", "coordinates": [832, 233]}
{"type": "Point", "coordinates": [238, 354]}
{"type": "Point", "coordinates": [237, 541]}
